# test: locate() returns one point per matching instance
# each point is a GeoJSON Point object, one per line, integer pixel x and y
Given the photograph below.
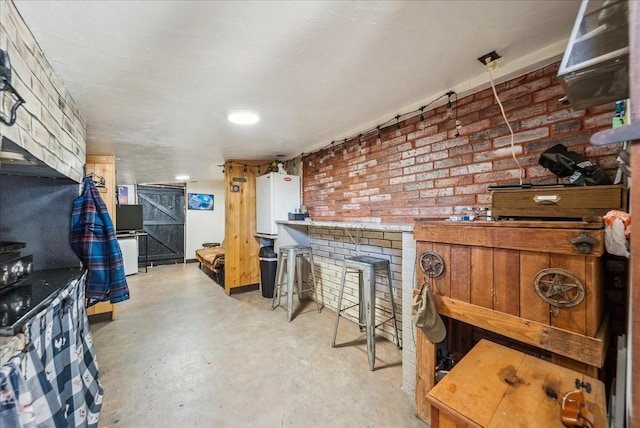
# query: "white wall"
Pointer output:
{"type": "Point", "coordinates": [204, 226]}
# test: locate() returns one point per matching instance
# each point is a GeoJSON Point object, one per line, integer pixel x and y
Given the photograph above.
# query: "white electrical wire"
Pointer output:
{"type": "Point", "coordinates": [513, 152]}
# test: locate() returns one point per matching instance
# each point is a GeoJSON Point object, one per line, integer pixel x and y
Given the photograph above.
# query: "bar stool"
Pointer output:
{"type": "Point", "coordinates": [293, 255]}
{"type": "Point", "coordinates": [366, 267]}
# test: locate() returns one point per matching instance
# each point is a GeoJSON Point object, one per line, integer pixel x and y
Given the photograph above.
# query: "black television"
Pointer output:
{"type": "Point", "coordinates": [129, 218]}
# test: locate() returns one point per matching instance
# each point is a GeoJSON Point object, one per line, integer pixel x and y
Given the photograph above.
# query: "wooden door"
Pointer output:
{"type": "Point", "coordinates": [163, 218]}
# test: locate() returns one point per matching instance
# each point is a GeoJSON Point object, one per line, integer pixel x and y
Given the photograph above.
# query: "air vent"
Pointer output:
{"type": "Point", "coordinates": [595, 66]}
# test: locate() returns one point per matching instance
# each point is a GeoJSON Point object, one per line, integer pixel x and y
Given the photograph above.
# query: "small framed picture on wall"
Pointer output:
{"type": "Point", "coordinates": [200, 201]}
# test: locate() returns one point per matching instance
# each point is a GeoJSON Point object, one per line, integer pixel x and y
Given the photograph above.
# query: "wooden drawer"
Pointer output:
{"type": "Point", "coordinates": [558, 202]}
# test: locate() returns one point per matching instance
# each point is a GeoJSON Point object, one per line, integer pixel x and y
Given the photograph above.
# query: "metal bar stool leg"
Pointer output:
{"type": "Point", "coordinates": [369, 281]}
{"type": "Point", "coordinates": [278, 291]}
{"type": "Point", "coordinates": [291, 265]}
{"type": "Point", "coordinates": [339, 307]}
{"type": "Point", "coordinates": [393, 307]}
{"type": "Point", "coordinates": [299, 259]}
{"type": "Point", "coordinates": [313, 278]}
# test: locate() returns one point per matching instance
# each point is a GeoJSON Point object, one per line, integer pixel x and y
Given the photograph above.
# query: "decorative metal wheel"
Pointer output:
{"type": "Point", "coordinates": [559, 288]}
{"type": "Point", "coordinates": [432, 264]}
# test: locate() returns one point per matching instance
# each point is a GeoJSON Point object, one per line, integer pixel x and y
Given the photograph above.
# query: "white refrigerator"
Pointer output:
{"type": "Point", "coordinates": [277, 195]}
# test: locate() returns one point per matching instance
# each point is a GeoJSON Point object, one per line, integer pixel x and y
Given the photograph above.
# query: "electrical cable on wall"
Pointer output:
{"type": "Point", "coordinates": [504, 116]}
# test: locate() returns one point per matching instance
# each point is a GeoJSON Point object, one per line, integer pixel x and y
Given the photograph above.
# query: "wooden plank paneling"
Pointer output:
{"type": "Point", "coordinates": [425, 373]}
{"type": "Point", "coordinates": [482, 289]}
{"type": "Point", "coordinates": [442, 284]}
{"type": "Point", "coordinates": [461, 273]}
{"type": "Point", "coordinates": [595, 299]}
{"type": "Point", "coordinates": [531, 306]}
{"type": "Point", "coordinates": [241, 246]}
{"type": "Point", "coordinates": [506, 280]}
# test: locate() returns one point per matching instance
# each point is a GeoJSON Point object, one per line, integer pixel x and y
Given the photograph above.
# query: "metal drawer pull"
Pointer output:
{"type": "Point", "coordinates": [584, 243]}
{"type": "Point", "coordinates": [546, 199]}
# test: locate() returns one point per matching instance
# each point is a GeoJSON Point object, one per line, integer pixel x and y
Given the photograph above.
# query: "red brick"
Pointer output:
{"type": "Point", "coordinates": [431, 139]}
{"type": "Point", "coordinates": [472, 189]}
{"type": "Point", "coordinates": [602, 119]}
{"type": "Point", "coordinates": [419, 185]}
{"type": "Point", "coordinates": [402, 179]}
{"type": "Point", "coordinates": [432, 193]}
{"type": "Point", "coordinates": [427, 166]}
{"type": "Point", "coordinates": [472, 168]}
{"type": "Point", "coordinates": [569, 126]}
{"type": "Point", "coordinates": [460, 141]}
{"type": "Point", "coordinates": [522, 137]}
{"type": "Point", "coordinates": [475, 146]}
{"type": "Point", "coordinates": [510, 176]}
{"type": "Point", "coordinates": [526, 88]}
{"type": "Point", "coordinates": [552, 93]}
{"type": "Point", "coordinates": [432, 175]}
{"type": "Point", "coordinates": [452, 161]}
{"type": "Point", "coordinates": [442, 154]}
{"type": "Point", "coordinates": [427, 131]}
{"type": "Point", "coordinates": [556, 116]}
{"type": "Point", "coordinates": [416, 152]}
{"type": "Point", "coordinates": [454, 181]}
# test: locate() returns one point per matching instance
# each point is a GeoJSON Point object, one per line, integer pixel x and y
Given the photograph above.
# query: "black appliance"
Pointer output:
{"type": "Point", "coordinates": [25, 298]}
{"type": "Point", "coordinates": [23, 291]}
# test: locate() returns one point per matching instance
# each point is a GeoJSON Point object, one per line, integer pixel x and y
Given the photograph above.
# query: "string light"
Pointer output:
{"type": "Point", "coordinates": [378, 128]}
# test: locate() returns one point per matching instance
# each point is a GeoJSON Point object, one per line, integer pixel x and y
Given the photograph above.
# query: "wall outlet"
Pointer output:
{"type": "Point", "coordinates": [491, 60]}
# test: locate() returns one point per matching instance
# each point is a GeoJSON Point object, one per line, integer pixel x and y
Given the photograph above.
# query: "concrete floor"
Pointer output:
{"type": "Point", "coordinates": [183, 354]}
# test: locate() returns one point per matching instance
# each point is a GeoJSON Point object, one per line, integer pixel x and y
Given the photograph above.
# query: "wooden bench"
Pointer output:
{"type": "Point", "coordinates": [213, 259]}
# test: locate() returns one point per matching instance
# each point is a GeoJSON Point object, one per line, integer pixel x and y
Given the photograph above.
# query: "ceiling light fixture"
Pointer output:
{"type": "Point", "coordinates": [182, 177]}
{"type": "Point", "coordinates": [243, 117]}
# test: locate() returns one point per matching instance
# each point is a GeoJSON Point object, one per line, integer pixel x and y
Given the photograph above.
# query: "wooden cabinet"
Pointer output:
{"type": "Point", "coordinates": [104, 167]}
{"type": "Point", "coordinates": [538, 283]}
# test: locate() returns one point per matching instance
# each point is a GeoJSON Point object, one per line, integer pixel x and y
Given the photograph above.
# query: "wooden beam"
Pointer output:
{"type": "Point", "coordinates": [589, 350]}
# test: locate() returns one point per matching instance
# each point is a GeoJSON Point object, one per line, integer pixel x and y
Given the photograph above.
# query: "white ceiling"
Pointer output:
{"type": "Point", "coordinates": [155, 79]}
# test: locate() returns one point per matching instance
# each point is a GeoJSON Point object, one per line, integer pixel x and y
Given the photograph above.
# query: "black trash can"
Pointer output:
{"type": "Point", "coordinates": [268, 264]}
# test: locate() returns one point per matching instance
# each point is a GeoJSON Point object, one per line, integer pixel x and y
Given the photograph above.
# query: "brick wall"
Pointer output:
{"type": "Point", "coordinates": [424, 170]}
{"type": "Point", "coordinates": [48, 125]}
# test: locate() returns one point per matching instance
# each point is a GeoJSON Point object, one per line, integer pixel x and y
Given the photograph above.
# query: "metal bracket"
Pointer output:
{"type": "Point", "coordinates": [5, 85]}
{"type": "Point", "coordinates": [581, 385]}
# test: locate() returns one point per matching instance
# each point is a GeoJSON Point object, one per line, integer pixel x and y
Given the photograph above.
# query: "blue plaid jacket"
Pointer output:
{"type": "Point", "coordinates": [93, 238]}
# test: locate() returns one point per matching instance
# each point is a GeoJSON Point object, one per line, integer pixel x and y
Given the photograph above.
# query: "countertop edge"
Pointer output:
{"type": "Point", "coordinates": [387, 227]}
